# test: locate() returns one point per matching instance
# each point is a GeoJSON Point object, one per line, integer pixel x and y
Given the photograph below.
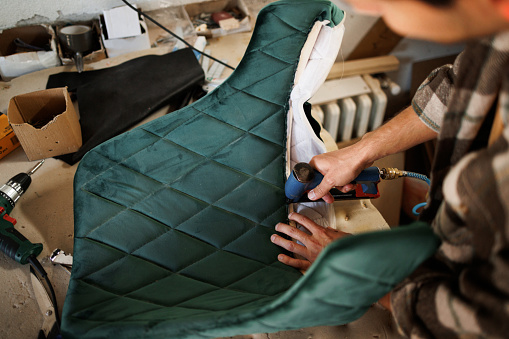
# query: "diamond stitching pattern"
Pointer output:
{"type": "Point", "coordinates": [245, 116]}
{"type": "Point", "coordinates": [209, 226]}
{"type": "Point", "coordinates": [196, 135]}
{"type": "Point", "coordinates": [261, 153]}
{"type": "Point", "coordinates": [157, 184]}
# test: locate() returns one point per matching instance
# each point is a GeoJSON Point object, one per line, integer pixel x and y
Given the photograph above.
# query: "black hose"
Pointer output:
{"type": "Point", "coordinates": [175, 35]}
{"type": "Point", "coordinates": [35, 265]}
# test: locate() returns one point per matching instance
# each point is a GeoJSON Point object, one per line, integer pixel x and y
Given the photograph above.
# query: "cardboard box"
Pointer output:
{"type": "Point", "coordinates": [45, 123]}
{"type": "Point", "coordinates": [118, 46]}
{"type": "Point", "coordinates": [8, 140]}
{"type": "Point", "coordinates": [238, 7]}
{"type": "Point", "coordinates": [14, 63]}
{"type": "Point", "coordinates": [98, 53]}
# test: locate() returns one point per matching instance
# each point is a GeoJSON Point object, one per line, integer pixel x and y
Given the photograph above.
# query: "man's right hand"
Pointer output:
{"type": "Point", "coordinates": [339, 169]}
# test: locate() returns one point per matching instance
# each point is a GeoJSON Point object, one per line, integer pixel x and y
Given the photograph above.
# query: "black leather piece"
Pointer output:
{"type": "Point", "coordinates": [114, 99]}
{"type": "Point", "coordinates": [314, 124]}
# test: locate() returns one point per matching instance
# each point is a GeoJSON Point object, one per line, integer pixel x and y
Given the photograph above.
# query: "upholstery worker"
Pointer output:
{"type": "Point", "coordinates": [463, 290]}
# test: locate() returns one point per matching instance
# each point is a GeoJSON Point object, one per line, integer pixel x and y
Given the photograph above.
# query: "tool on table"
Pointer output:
{"type": "Point", "coordinates": [304, 178]}
{"type": "Point", "coordinates": [59, 257]}
{"type": "Point", "coordinates": [12, 242]}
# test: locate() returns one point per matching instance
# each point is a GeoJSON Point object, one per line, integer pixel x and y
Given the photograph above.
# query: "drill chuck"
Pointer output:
{"type": "Point", "coordinates": [7, 194]}
{"type": "Point", "coordinates": [15, 187]}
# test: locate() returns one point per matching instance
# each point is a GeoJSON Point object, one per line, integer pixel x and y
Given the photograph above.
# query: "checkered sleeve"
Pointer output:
{"type": "Point", "coordinates": [463, 291]}
{"type": "Point", "coordinates": [413, 301]}
{"type": "Point", "coordinates": [432, 97]}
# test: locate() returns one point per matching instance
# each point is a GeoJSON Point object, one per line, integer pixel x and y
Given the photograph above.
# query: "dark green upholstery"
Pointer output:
{"type": "Point", "coordinates": [173, 219]}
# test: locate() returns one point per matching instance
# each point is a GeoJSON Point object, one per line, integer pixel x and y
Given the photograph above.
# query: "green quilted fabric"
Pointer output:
{"type": "Point", "coordinates": [173, 218]}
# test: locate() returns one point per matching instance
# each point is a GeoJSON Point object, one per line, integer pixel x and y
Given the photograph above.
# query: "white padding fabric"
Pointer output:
{"type": "Point", "coordinates": [317, 58]}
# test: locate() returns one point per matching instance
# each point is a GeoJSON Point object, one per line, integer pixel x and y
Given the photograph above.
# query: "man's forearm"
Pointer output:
{"type": "Point", "coordinates": [340, 167]}
{"type": "Point", "coordinates": [402, 132]}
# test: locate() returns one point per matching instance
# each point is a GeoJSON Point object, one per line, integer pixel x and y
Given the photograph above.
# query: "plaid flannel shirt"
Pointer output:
{"type": "Point", "coordinates": [463, 290]}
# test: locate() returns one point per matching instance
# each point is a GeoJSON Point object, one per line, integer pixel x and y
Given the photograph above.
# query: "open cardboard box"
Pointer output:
{"type": "Point", "coordinates": [14, 63]}
{"type": "Point", "coordinates": [194, 11]}
{"type": "Point", "coordinates": [45, 123]}
{"type": "Point", "coordinates": [98, 53]}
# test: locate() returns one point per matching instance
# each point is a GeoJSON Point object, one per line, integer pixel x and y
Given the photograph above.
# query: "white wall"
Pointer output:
{"type": "Point", "coordinates": [26, 12]}
{"type": "Point", "coordinates": [356, 27]}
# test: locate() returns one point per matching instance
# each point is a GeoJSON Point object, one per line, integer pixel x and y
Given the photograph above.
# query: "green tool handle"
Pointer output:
{"type": "Point", "coordinates": [13, 243]}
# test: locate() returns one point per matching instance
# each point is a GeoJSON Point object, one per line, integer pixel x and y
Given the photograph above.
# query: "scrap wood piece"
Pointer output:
{"type": "Point", "coordinates": [373, 65]}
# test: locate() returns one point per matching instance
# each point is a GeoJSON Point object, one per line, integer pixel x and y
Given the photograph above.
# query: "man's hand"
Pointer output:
{"type": "Point", "coordinates": [339, 169]}
{"type": "Point", "coordinates": [314, 243]}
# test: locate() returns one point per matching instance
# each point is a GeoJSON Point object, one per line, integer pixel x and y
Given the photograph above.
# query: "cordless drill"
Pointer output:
{"type": "Point", "coordinates": [12, 242]}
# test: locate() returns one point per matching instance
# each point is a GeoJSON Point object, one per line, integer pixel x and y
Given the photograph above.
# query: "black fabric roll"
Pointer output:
{"type": "Point", "coordinates": [112, 100]}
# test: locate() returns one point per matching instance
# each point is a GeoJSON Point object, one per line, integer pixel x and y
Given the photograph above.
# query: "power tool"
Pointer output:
{"type": "Point", "coordinates": [304, 178]}
{"type": "Point", "coordinates": [12, 242]}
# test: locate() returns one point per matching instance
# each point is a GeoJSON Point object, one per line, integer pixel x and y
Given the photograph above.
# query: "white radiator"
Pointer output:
{"type": "Point", "coordinates": [349, 107]}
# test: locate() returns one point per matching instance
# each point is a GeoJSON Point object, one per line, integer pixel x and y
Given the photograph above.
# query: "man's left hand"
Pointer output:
{"type": "Point", "coordinates": [313, 243]}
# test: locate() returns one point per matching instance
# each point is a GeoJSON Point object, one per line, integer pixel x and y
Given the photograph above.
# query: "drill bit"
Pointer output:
{"type": "Point", "coordinates": [39, 164]}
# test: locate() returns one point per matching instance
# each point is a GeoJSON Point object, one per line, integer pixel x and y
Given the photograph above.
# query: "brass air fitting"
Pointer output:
{"type": "Point", "coordinates": [391, 173]}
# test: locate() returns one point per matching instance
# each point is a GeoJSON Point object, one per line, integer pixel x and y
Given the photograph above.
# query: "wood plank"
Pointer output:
{"type": "Point", "coordinates": [373, 65]}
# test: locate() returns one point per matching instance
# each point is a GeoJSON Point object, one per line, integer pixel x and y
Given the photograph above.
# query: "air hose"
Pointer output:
{"type": "Point", "coordinates": [394, 173]}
